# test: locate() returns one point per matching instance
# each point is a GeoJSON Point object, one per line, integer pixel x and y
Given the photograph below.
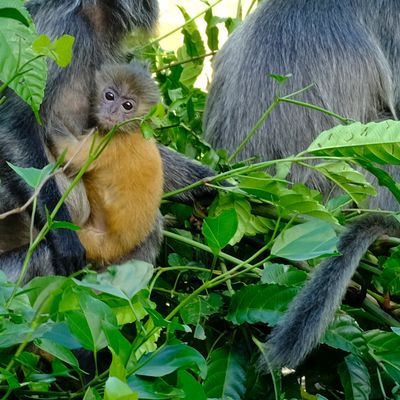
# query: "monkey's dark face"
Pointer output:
{"type": "Point", "coordinates": [115, 108]}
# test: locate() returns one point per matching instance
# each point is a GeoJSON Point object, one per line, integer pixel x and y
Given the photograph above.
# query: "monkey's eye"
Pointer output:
{"type": "Point", "coordinates": [109, 96]}
{"type": "Point", "coordinates": [127, 105]}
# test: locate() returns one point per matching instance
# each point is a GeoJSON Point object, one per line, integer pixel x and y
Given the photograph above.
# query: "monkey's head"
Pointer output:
{"type": "Point", "coordinates": [124, 92]}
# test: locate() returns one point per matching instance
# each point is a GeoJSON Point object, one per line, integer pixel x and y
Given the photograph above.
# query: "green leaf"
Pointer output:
{"type": "Point", "coordinates": [96, 313]}
{"type": "Point", "coordinates": [92, 394]}
{"type": "Point", "coordinates": [212, 29]}
{"type": "Point", "coordinates": [14, 9]}
{"type": "Point", "coordinates": [115, 389]}
{"type": "Point", "coordinates": [170, 359]}
{"type": "Point", "coordinates": [117, 341]}
{"type": "Point", "coordinates": [345, 334]}
{"type": "Point", "coordinates": [193, 390]}
{"type": "Point", "coordinates": [384, 179]}
{"type": "Point", "coordinates": [58, 351]}
{"type": "Point", "coordinates": [155, 389]}
{"type": "Point", "coordinates": [248, 224]}
{"type": "Point", "coordinates": [10, 377]}
{"type": "Point", "coordinates": [60, 51]}
{"type": "Point", "coordinates": [280, 78]}
{"type": "Point", "coordinates": [219, 230]}
{"type": "Point", "coordinates": [227, 374]}
{"type": "Point", "coordinates": [355, 378]}
{"type": "Point", "coordinates": [348, 179]}
{"type": "Point", "coordinates": [306, 241]}
{"type": "Point", "coordinates": [389, 279]}
{"type": "Point", "coordinates": [302, 200]}
{"type": "Point", "coordinates": [284, 275]}
{"type": "Point", "coordinates": [64, 225]}
{"type": "Point", "coordinates": [147, 130]}
{"type": "Point", "coordinates": [384, 347]}
{"type": "Point", "coordinates": [123, 281]}
{"type": "Point", "coordinates": [192, 39]}
{"type": "Point", "coordinates": [20, 67]}
{"type": "Point", "coordinates": [376, 141]}
{"type": "Point", "coordinates": [260, 303]}
{"type": "Point", "coordinates": [32, 176]}
{"type": "Point", "coordinates": [79, 327]}
{"type": "Point", "coordinates": [196, 311]}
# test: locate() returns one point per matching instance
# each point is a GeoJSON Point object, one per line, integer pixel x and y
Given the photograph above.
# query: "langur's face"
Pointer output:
{"type": "Point", "coordinates": [115, 108]}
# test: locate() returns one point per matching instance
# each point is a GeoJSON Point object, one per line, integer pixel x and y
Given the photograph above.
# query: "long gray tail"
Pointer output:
{"type": "Point", "coordinates": [309, 315]}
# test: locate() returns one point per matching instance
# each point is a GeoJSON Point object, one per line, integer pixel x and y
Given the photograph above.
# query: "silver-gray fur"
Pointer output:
{"type": "Point", "coordinates": [99, 27]}
{"type": "Point", "coordinates": [350, 49]}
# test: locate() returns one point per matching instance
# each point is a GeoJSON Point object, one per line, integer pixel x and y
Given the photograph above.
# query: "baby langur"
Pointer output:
{"type": "Point", "coordinates": [124, 184]}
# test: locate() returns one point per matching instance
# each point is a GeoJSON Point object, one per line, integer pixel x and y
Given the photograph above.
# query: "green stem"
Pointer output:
{"type": "Point", "coordinates": [174, 64]}
{"type": "Point", "coordinates": [253, 131]}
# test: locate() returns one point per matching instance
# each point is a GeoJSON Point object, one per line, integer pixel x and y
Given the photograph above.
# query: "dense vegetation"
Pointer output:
{"type": "Point", "coordinates": [192, 325]}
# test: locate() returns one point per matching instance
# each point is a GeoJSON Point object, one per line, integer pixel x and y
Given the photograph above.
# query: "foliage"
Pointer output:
{"type": "Point", "coordinates": [192, 326]}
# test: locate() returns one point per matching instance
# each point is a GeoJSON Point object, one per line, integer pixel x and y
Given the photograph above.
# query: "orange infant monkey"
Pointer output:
{"type": "Point", "coordinates": [124, 184]}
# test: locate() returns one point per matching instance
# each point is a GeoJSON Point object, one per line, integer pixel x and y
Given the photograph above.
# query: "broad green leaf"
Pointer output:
{"type": "Point", "coordinates": [20, 67]}
{"type": "Point", "coordinates": [12, 334]}
{"type": "Point", "coordinates": [345, 334]}
{"type": "Point", "coordinates": [262, 186]}
{"type": "Point", "coordinates": [384, 347]}
{"type": "Point", "coordinates": [79, 327]}
{"type": "Point", "coordinates": [32, 176]}
{"type": "Point", "coordinates": [96, 313]}
{"type": "Point", "coordinates": [190, 73]}
{"type": "Point", "coordinates": [198, 309]}
{"type": "Point", "coordinates": [376, 141]}
{"type": "Point", "coordinates": [348, 179]}
{"type": "Point", "coordinates": [248, 224]}
{"type": "Point", "coordinates": [284, 275]}
{"type": "Point", "coordinates": [306, 241]}
{"type": "Point", "coordinates": [260, 303]}
{"type": "Point", "coordinates": [219, 230]}
{"type": "Point", "coordinates": [297, 200]}
{"type": "Point", "coordinates": [383, 177]}
{"type": "Point", "coordinates": [170, 359]}
{"type": "Point", "coordinates": [389, 280]}
{"type": "Point", "coordinates": [115, 389]}
{"type": "Point", "coordinates": [14, 9]}
{"type": "Point", "coordinates": [355, 378]}
{"type": "Point", "coordinates": [122, 281]}
{"type": "Point", "coordinates": [193, 390]}
{"type": "Point", "coordinates": [226, 377]}
{"type": "Point", "coordinates": [302, 200]}
{"type": "Point", "coordinates": [154, 389]}
{"type": "Point", "coordinates": [59, 333]}
{"type": "Point", "coordinates": [117, 341]}
{"type": "Point", "coordinates": [57, 350]}
{"type": "Point", "coordinates": [117, 368]}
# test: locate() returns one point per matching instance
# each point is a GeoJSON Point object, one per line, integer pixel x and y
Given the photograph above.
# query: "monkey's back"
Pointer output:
{"type": "Point", "coordinates": [124, 189]}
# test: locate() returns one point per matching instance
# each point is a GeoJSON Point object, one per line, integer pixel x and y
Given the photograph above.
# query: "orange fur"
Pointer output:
{"type": "Point", "coordinates": [124, 188]}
